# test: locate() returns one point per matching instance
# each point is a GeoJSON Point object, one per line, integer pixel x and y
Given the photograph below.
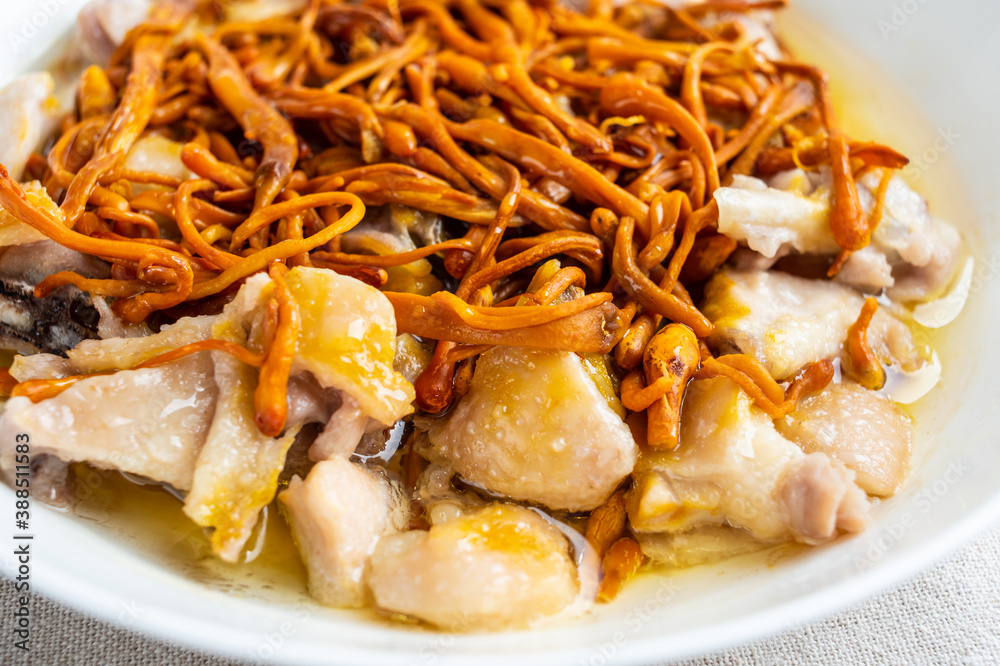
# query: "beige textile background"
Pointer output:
{"type": "Point", "coordinates": [950, 614]}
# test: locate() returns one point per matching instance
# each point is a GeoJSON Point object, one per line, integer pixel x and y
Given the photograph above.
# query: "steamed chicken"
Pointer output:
{"type": "Point", "coordinates": [496, 302]}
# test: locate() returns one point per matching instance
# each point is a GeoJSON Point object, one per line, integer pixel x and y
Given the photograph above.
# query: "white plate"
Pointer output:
{"type": "Point", "coordinates": [941, 55]}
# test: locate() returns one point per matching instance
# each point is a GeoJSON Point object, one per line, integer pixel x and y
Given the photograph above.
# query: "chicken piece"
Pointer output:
{"type": "Point", "coordinates": [52, 324]}
{"type": "Point", "coordinates": [924, 252]}
{"type": "Point", "coordinates": [105, 23]}
{"type": "Point", "coordinates": [345, 425]}
{"type": "Point", "coordinates": [307, 401]}
{"type": "Point", "coordinates": [868, 270]}
{"type": "Point", "coordinates": [168, 424]}
{"type": "Point", "coordinates": [238, 468]}
{"type": "Point", "coordinates": [412, 357]}
{"type": "Point", "coordinates": [771, 220]}
{"type": "Point", "coordinates": [150, 422]}
{"type": "Point", "coordinates": [338, 516]}
{"type": "Point", "coordinates": [502, 566]}
{"type": "Point", "coordinates": [158, 154]}
{"type": "Point", "coordinates": [348, 342]}
{"type": "Point", "coordinates": [734, 468]}
{"type": "Point", "coordinates": [867, 433]}
{"type": "Point", "coordinates": [122, 353]}
{"type": "Point", "coordinates": [110, 325]}
{"type": "Point", "coordinates": [236, 474]}
{"type": "Point", "coordinates": [912, 254]}
{"type": "Point", "coordinates": [343, 431]}
{"type": "Point", "coordinates": [535, 427]}
{"type": "Point", "coordinates": [439, 497]}
{"type": "Point", "coordinates": [745, 259]}
{"type": "Point", "coordinates": [29, 114]}
{"type": "Point", "coordinates": [702, 545]}
{"type": "Point", "coordinates": [788, 322]}
{"type": "Point", "coordinates": [15, 232]}
{"type": "Point", "coordinates": [346, 347]}
{"type": "Point", "coordinates": [41, 366]}
{"type": "Point", "coordinates": [387, 230]}
{"type": "Point", "coordinates": [260, 10]}
{"type": "Point", "coordinates": [820, 498]}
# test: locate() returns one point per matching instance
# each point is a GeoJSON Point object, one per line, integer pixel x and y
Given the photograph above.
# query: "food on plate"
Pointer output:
{"type": "Point", "coordinates": [496, 567]}
{"type": "Point", "coordinates": [498, 303]}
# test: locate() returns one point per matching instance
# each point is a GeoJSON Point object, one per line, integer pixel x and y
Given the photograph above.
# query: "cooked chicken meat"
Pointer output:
{"type": "Point", "coordinates": [701, 545]}
{"type": "Point", "coordinates": [122, 353]}
{"type": "Point", "coordinates": [190, 423]}
{"type": "Point", "coordinates": [535, 427]}
{"type": "Point", "coordinates": [104, 24]}
{"type": "Point", "coordinates": [501, 566]}
{"type": "Point", "coordinates": [152, 422]}
{"type": "Point", "coordinates": [28, 115]}
{"type": "Point", "coordinates": [773, 221]}
{"type": "Point", "coordinates": [734, 468]}
{"type": "Point", "coordinates": [343, 431]}
{"type": "Point", "coordinates": [338, 515]}
{"type": "Point", "coordinates": [412, 357]}
{"type": "Point", "coordinates": [348, 342]}
{"type": "Point", "coordinates": [912, 254]}
{"type": "Point", "coordinates": [440, 498]}
{"type": "Point", "coordinates": [236, 474]}
{"type": "Point", "coordinates": [15, 232]}
{"type": "Point", "coordinates": [862, 429]}
{"type": "Point", "coordinates": [389, 230]}
{"type": "Point", "coordinates": [157, 154]}
{"type": "Point", "coordinates": [787, 322]}
{"type": "Point", "coordinates": [260, 10]}
{"type": "Point", "coordinates": [820, 498]}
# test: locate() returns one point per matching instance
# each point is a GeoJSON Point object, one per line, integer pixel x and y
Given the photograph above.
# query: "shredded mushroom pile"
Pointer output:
{"type": "Point", "coordinates": [596, 137]}
{"type": "Point", "coordinates": [549, 133]}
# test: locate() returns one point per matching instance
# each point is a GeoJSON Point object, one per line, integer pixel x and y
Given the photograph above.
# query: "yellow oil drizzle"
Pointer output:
{"type": "Point", "coordinates": [148, 520]}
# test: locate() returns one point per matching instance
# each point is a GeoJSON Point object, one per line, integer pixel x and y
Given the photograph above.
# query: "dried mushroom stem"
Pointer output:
{"type": "Point", "coordinates": [621, 562]}
{"type": "Point", "coordinates": [629, 352]}
{"type": "Point", "coordinates": [861, 363]}
{"type": "Point", "coordinates": [608, 523]}
{"type": "Point", "coordinates": [754, 379]}
{"type": "Point", "coordinates": [270, 398]}
{"type": "Point", "coordinates": [672, 354]}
